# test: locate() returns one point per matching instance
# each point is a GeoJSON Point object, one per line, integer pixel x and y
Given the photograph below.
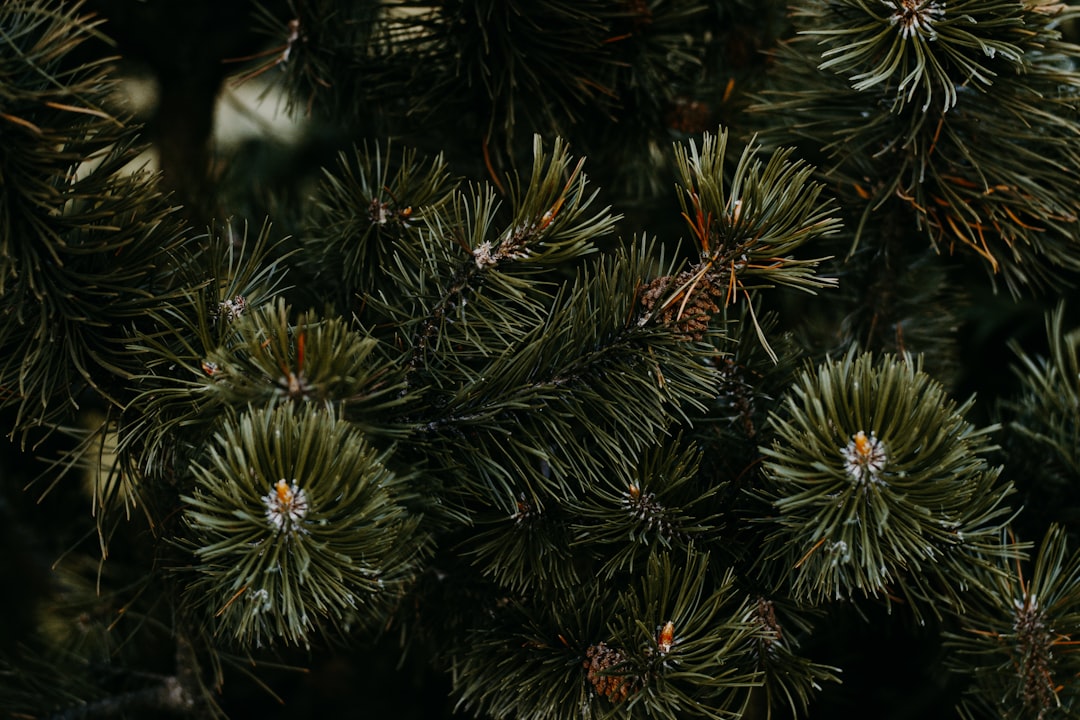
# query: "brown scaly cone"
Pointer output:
{"type": "Point", "coordinates": [692, 306]}
{"type": "Point", "coordinates": [602, 660]}
{"type": "Point", "coordinates": [1034, 648]}
{"type": "Point", "coordinates": [765, 614]}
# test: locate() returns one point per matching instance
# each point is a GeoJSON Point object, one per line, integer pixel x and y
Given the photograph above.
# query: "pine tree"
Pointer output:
{"type": "Point", "coordinates": [621, 358]}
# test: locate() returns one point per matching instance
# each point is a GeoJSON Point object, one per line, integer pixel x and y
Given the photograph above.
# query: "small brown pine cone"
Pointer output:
{"type": "Point", "coordinates": [690, 316]}
{"type": "Point", "coordinates": [601, 659]}
{"type": "Point", "coordinates": [766, 617]}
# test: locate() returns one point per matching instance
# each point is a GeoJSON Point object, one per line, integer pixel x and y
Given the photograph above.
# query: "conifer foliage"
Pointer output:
{"type": "Point", "coordinates": [575, 360]}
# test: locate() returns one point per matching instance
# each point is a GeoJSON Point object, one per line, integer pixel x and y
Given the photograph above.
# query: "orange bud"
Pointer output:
{"type": "Point", "coordinates": [666, 638]}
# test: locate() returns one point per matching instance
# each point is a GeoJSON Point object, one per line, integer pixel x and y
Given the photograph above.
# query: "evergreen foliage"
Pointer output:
{"type": "Point", "coordinates": [318, 549]}
{"type": "Point", "coordinates": [617, 358]}
{"type": "Point", "coordinates": [878, 485]}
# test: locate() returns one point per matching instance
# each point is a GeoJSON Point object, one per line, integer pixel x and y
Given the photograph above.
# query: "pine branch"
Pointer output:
{"type": "Point", "coordinates": [655, 652]}
{"type": "Point", "coordinates": [745, 232]}
{"type": "Point", "coordinates": [1017, 637]}
{"type": "Point", "coordinates": [971, 183]}
{"type": "Point", "coordinates": [296, 528]}
{"type": "Point", "coordinates": [367, 204]}
{"type": "Point", "coordinates": [917, 48]}
{"type": "Point", "coordinates": [879, 486]}
{"type": "Point", "coordinates": [225, 277]}
{"type": "Point", "coordinates": [86, 249]}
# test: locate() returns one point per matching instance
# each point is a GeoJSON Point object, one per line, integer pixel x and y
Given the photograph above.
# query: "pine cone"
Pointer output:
{"type": "Point", "coordinates": [600, 666]}
{"type": "Point", "coordinates": [691, 315]}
